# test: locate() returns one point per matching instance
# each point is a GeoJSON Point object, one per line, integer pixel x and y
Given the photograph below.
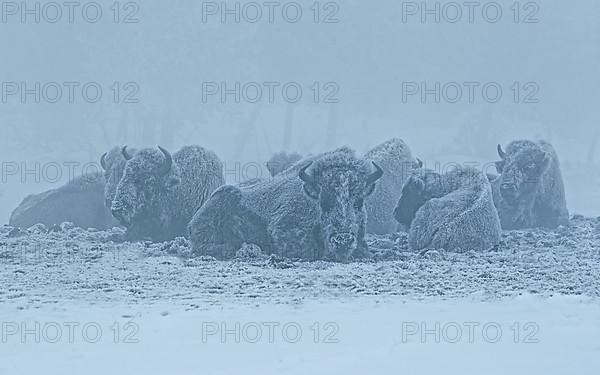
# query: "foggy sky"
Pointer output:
{"type": "Point", "coordinates": [363, 61]}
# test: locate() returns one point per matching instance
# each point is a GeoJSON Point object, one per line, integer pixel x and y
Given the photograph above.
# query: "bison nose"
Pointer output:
{"type": "Point", "coordinates": [342, 239]}
{"type": "Point", "coordinates": [120, 213]}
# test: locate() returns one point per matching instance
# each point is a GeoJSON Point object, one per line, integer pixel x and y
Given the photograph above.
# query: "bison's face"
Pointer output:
{"type": "Point", "coordinates": [113, 164]}
{"type": "Point", "coordinates": [414, 195]}
{"type": "Point", "coordinates": [341, 193]}
{"type": "Point", "coordinates": [520, 171]}
{"type": "Point", "coordinates": [146, 177]}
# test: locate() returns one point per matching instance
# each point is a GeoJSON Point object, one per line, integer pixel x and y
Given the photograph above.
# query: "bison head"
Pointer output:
{"type": "Point", "coordinates": [113, 164]}
{"type": "Point", "coordinates": [147, 176]}
{"type": "Point", "coordinates": [340, 187]}
{"type": "Point", "coordinates": [520, 168]}
{"type": "Point", "coordinates": [420, 187]}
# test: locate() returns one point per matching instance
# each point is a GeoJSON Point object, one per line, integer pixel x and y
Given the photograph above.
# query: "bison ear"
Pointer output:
{"type": "Point", "coordinates": [311, 190]}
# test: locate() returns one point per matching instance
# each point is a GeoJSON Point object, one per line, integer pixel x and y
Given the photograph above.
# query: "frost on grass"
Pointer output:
{"type": "Point", "coordinates": [40, 268]}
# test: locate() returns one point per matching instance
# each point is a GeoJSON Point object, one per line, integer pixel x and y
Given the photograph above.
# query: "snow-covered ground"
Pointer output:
{"type": "Point", "coordinates": [102, 306]}
{"type": "Point", "coordinates": [361, 335]}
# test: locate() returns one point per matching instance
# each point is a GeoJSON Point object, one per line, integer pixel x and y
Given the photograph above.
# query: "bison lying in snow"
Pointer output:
{"type": "Point", "coordinates": [79, 201]}
{"type": "Point", "coordinates": [397, 162]}
{"type": "Point", "coordinates": [529, 191]}
{"type": "Point", "coordinates": [451, 211]}
{"type": "Point", "coordinates": [316, 213]}
{"type": "Point", "coordinates": [159, 193]}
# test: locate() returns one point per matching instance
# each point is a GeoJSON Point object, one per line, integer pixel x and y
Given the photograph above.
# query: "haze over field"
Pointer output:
{"type": "Point", "coordinates": [362, 61]}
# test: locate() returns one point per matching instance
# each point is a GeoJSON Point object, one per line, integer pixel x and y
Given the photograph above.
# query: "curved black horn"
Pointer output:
{"type": "Point", "coordinates": [375, 175]}
{"type": "Point", "coordinates": [501, 152]}
{"type": "Point", "coordinates": [305, 176]}
{"type": "Point", "coordinates": [103, 161]}
{"type": "Point", "coordinates": [168, 163]}
{"type": "Point", "coordinates": [125, 153]}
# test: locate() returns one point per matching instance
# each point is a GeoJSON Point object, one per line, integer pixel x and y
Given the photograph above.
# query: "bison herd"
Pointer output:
{"type": "Point", "coordinates": [313, 207]}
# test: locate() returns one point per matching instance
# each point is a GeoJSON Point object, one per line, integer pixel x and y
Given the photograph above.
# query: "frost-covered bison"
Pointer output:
{"type": "Point", "coordinates": [529, 190]}
{"type": "Point", "coordinates": [113, 163]}
{"type": "Point", "coordinates": [79, 201]}
{"type": "Point", "coordinates": [159, 193]}
{"type": "Point", "coordinates": [451, 211]}
{"type": "Point", "coordinates": [397, 162]}
{"type": "Point", "coordinates": [315, 210]}
{"type": "Point", "coordinates": [281, 161]}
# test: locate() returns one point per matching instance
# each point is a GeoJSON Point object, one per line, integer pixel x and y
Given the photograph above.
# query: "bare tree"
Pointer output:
{"type": "Point", "coordinates": [591, 156]}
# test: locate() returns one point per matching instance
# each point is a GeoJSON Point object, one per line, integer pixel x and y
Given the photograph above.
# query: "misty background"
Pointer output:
{"type": "Point", "coordinates": [368, 55]}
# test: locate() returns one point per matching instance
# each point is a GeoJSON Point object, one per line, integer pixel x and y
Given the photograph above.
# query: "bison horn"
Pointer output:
{"type": "Point", "coordinates": [168, 163]}
{"type": "Point", "coordinates": [420, 163]}
{"type": "Point", "coordinates": [103, 161]}
{"type": "Point", "coordinates": [305, 176]}
{"type": "Point", "coordinates": [125, 153]}
{"type": "Point", "coordinates": [501, 152]}
{"type": "Point", "coordinates": [375, 175]}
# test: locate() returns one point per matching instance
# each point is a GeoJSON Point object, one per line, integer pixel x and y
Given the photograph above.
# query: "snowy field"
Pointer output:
{"type": "Point", "coordinates": [359, 335]}
{"type": "Point", "coordinates": [531, 305]}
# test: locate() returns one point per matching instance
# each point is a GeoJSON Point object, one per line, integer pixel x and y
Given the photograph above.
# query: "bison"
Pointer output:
{"type": "Point", "coordinates": [314, 210]}
{"type": "Point", "coordinates": [397, 162]}
{"type": "Point", "coordinates": [451, 211]}
{"type": "Point", "coordinates": [79, 201]}
{"type": "Point", "coordinates": [159, 193]}
{"type": "Point", "coordinates": [281, 161]}
{"type": "Point", "coordinates": [529, 190]}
